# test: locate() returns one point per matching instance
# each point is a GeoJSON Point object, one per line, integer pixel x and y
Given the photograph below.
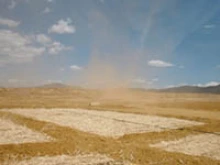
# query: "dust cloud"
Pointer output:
{"type": "Point", "coordinates": [115, 62]}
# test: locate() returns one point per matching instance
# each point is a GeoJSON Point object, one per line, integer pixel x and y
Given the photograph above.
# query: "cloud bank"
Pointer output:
{"type": "Point", "coordinates": [62, 27]}
{"type": "Point", "coordinates": [159, 63]}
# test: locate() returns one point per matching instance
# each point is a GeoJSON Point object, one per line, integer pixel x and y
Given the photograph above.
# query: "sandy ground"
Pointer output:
{"type": "Point", "coordinates": [112, 124]}
{"type": "Point", "coordinates": [199, 145]}
{"type": "Point", "coordinates": [134, 147]}
{"type": "Point", "coordinates": [11, 133]}
{"type": "Point", "coordinates": [90, 159]}
{"type": "Point", "coordinates": [156, 122]}
{"type": "Point", "coordinates": [186, 113]}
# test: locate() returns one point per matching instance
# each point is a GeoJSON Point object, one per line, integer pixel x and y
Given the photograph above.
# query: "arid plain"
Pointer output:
{"type": "Point", "coordinates": [112, 126]}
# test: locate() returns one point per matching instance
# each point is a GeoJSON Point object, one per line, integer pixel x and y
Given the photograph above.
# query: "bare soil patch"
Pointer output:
{"type": "Point", "coordinates": [105, 123]}
{"type": "Point", "coordinates": [11, 133]}
{"type": "Point", "coordinates": [199, 145]}
{"type": "Point", "coordinates": [134, 148]}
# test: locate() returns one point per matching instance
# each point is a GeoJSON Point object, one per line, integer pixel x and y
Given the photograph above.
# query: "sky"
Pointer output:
{"type": "Point", "coordinates": [109, 43]}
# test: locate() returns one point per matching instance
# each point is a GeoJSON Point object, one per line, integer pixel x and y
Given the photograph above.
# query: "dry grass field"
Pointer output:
{"type": "Point", "coordinates": [70, 142]}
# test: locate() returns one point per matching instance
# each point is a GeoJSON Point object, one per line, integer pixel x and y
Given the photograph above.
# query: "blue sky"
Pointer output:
{"type": "Point", "coordinates": [107, 43]}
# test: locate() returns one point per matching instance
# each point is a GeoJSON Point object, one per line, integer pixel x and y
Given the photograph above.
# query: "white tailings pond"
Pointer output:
{"type": "Point", "coordinates": [198, 145]}
{"type": "Point", "coordinates": [105, 123]}
{"type": "Point", "coordinates": [11, 133]}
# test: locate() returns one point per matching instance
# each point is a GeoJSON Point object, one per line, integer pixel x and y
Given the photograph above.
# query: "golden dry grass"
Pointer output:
{"type": "Point", "coordinates": [72, 98]}
{"type": "Point", "coordinates": [135, 147]}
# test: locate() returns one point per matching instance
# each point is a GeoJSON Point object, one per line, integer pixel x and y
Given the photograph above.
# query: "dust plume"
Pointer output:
{"type": "Point", "coordinates": [115, 61]}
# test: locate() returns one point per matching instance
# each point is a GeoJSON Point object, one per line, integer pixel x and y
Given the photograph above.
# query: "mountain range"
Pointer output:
{"type": "Point", "coordinates": [180, 89]}
{"type": "Point", "coordinates": [193, 89]}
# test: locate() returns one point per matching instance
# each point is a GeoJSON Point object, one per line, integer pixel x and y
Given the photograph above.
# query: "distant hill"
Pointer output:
{"type": "Point", "coordinates": [180, 89]}
{"type": "Point", "coordinates": [193, 89]}
{"type": "Point", "coordinates": [54, 85]}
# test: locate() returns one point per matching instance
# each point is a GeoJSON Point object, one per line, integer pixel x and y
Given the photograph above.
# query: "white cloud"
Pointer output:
{"type": "Point", "coordinates": [52, 47]}
{"type": "Point", "coordinates": [159, 63]}
{"type": "Point", "coordinates": [12, 4]}
{"type": "Point", "coordinates": [8, 22]}
{"type": "Point", "coordinates": [178, 85]}
{"type": "Point", "coordinates": [46, 10]}
{"type": "Point", "coordinates": [143, 81]}
{"type": "Point", "coordinates": [57, 47]}
{"type": "Point", "coordinates": [75, 67]}
{"type": "Point", "coordinates": [170, 86]}
{"type": "Point", "coordinates": [49, 1]}
{"type": "Point", "coordinates": [209, 26]}
{"type": "Point", "coordinates": [62, 27]}
{"type": "Point", "coordinates": [17, 48]}
{"type": "Point", "coordinates": [139, 81]}
{"type": "Point", "coordinates": [211, 83]}
{"type": "Point", "coordinates": [43, 39]}
{"type": "Point", "coordinates": [153, 81]}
